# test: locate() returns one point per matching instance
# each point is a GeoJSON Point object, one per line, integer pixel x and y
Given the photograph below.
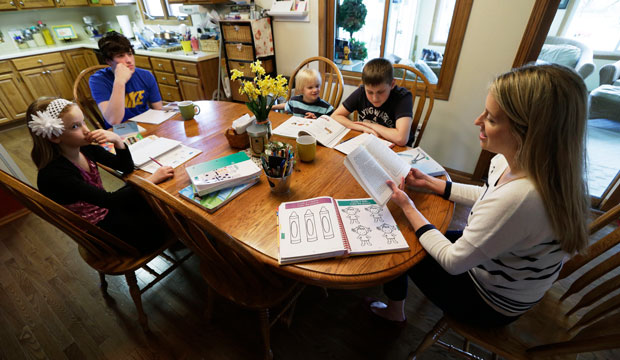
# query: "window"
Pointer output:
{"type": "Point", "coordinates": [596, 23]}
{"type": "Point", "coordinates": [396, 29]}
{"type": "Point", "coordinates": [162, 12]}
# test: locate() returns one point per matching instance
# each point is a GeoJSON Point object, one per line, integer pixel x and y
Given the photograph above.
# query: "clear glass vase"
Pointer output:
{"type": "Point", "coordinates": [266, 123]}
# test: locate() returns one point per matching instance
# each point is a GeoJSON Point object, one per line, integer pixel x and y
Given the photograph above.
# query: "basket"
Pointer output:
{"type": "Point", "coordinates": [240, 52]}
{"type": "Point", "coordinates": [210, 45]}
{"type": "Point", "coordinates": [237, 33]}
{"type": "Point", "coordinates": [237, 141]}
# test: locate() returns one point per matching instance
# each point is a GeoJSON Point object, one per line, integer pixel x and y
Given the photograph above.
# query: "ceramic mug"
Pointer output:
{"type": "Point", "coordinates": [306, 147]}
{"type": "Point", "coordinates": [188, 109]}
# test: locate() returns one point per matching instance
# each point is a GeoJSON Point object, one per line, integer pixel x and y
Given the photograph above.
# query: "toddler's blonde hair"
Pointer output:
{"type": "Point", "coordinates": [305, 76]}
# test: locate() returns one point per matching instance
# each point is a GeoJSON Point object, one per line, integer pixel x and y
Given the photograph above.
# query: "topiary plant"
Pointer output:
{"type": "Point", "coordinates": [351, 16]}
{"type": "Point", "coordinates": [358, 50]}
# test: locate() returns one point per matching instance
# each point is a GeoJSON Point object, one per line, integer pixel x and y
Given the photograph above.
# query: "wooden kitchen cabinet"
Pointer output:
{"type": "Point", "coordinates": [79, 60]}
{"type": "Point", "coordinates": [45, 75]}
{"type": "Point", "coordinates": [34, 4]}
{"type": "Point", "coordinates": [13, 94]}
{"type": "Point", "coordinates": [184, 80]}
{"type": "Point", "coordinates": [63, 3]}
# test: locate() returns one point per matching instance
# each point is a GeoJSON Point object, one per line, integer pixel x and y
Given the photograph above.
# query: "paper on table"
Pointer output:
{"type": "Point", "coordinates": [349, 145]}
{"type": "Point", "coordinates": [149, 147]}
{"type": "Point", "coordinates": [153, 116]}
{"type": "Point", "coordinates": [174, 158]}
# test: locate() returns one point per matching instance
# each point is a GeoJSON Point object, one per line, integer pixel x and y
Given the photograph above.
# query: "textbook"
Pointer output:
{"type": "Point", "coordinates": [152, 116]}
{"type": "Point", "coordinates": [222, 173]}
{"type": "Point", "coordinates": [129, 131]}
{"type": "Point", "coordinates": [347, 146]}
{"type": "Point", "coordinates": [215, 200]}
{"type": "Point", "coordinates": [327, 131]}
{"type": "Point", "coordinates": [324, 227]}
{"type": "Point", "coordinates": [372, 163]}
{"type": "Point", "coordinates": [420, 160]}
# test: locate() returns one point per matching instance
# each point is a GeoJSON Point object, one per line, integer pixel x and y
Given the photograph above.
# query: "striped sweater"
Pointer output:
{"type": "Point", "coordinates": [298, 107]}
{"type": "Point", "coordinates": [508, 245]}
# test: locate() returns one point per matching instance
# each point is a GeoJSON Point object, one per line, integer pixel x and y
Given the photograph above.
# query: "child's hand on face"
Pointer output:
{"type": "Point", "coordinates": [161, 174]}
{"type": "Point", "coordinates": [310, 115]}
{"type": "Point", "coordinates": [101, 136]}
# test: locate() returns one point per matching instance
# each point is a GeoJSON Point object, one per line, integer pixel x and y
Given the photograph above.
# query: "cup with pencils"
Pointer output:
{"type": "Point", "coordinates": [278, 161]}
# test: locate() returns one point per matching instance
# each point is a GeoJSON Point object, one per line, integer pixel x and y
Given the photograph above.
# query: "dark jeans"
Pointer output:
{"type": "Point", "coordinates": [456, 295]}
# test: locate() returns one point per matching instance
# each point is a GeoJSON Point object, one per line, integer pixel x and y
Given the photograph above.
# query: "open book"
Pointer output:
{"type": "Point", "coordinates": [351, 144]}
{"type": "Point", "coordinates": [150, 147]}
{"type": "Point", "coordinates": [323, 227]}
{"type": "Point", "coordinates": [327, 131]}
{"type": "Point", "coordinates": [222, 173]}
{"type": "Point", "coordinates": [420, 160]}
{"type": "Point", "coordinates": [372, 163]}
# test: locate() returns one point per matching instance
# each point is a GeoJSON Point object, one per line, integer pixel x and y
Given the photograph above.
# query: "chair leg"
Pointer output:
{"type": "Point", "coordinates": [103, 285]}
{"type": "Point", "coordinates": [430, 338]}
{"type": "Point", "coordinates": [134, 290]}
{"type": "Point", "coordinates": [263, 316]}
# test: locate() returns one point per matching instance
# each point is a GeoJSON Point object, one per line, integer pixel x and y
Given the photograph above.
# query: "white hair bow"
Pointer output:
{"type": "Point", "coordinates": [47, 123]}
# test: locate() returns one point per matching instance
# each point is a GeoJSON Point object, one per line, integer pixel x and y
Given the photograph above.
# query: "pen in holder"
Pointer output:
{"type": "Point", "coordinates": [278, 161]}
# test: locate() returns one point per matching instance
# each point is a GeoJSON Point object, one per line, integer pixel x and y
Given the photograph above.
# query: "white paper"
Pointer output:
{"type": "Point", "coordinates": [152, 146]}
{"type": "Point", "coordinates": [351, 144]}
{"type": "Point", "coordinates": [281, 6]}
{"type": "Point", "coordinates": [327, 131]}
{"type": "Point", "coordinates": [152, 116]}
{"type": "Point", "coordinates": [174, 158]}
{"type": "Point", "coordinates": [241, 124]}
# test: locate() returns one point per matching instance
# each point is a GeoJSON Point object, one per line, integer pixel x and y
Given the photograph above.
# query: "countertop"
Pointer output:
{"type": "Point", "coordinates": [176, 55]}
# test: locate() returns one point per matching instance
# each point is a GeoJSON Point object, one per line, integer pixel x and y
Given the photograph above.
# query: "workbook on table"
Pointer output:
{"type": "Point", "coordinates": [152, 116]}
{"type": "Point", "coordinates": [129, 131]}
{"type": "Point", "coordinates": [215, 200]}
{"type": "Point", "coordinates": [327, 131]}
{"type": "Point", "coordinates": [420, 160]}
{"type": "Point", "coordinates": [165, 152]}
{"type": "Point", "coordinates": [372, 163]}
{"type": "Point", "coordinates": [324, 227]}
{"type": "Point", "coordinates": [222, 173]}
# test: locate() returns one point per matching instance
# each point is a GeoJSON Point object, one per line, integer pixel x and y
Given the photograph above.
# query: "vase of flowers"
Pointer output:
{"type": "Point", "coordinates": [262, 92]}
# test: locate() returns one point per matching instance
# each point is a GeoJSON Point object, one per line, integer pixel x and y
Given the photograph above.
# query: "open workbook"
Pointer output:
{"type": "Point", "coordinates": [323, 227]}
{"type": "Point", "coordinates": [327, 131]}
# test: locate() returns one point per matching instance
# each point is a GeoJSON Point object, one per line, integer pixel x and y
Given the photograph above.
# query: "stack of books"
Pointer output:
{"type": "Point", "coordinates": [222, 173]}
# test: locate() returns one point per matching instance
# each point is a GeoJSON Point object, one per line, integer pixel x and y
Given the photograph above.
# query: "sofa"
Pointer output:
{"type": "Point", "coordinates": [604, 101]}
{"type": "Point", "coordinates": [568, 52]}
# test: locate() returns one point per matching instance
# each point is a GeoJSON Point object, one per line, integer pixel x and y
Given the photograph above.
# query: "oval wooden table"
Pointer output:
{"type": "Point", "coordinates": [251, 217]}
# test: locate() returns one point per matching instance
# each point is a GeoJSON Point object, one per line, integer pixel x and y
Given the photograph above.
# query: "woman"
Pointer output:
{"type": "Point", "coordinates": [528, 217]}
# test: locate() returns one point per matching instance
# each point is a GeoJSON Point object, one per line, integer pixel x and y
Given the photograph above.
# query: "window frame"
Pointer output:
{"type": "Point", "coordinates": [460, 17]}
{"type": "Point", "coordinates": [166, 20]}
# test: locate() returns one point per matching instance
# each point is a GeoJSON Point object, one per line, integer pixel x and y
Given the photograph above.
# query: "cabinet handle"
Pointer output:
{"type": "Point", "coordinates": [168, 94]}
{"type": "Point", "coordinates": [160, 65]}
{"type": "Point", "coordinates": [40, 61]}
{"type": "Point", "coordinates": [43, 72]}
{"type": "Point", "coordinates": [183, 68]}
{"type": "Point", "coordinates": [163, 78]}
{"type": "Point", "coordinates": [177, 81]}
{"type": "Point", "coordinates": [21, 3]}
{"type": "Point", "coordinates": [236, 27]}
{"type": "Point", "coordinates": [12, 3]}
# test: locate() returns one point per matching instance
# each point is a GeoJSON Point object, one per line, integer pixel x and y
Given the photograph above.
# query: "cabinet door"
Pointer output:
{"type": "Point", "coordinates": [33, 4]}
{"type": "Point", "coordinates": [169, 93]}
{"type": "Point", "coordinates": [61, 78]}
{"type": "Point", "coordinates": [8, 4]}
{"type": "Point", "coordinates": [72, 3]}
{"type": "Point", "coordinates": [38, 83]}
{"type": "Point", "coordinates": [191, 88]}
{"type": "Point", "coordinates": [14, 96]}
{"type": "Point", "coordinates": [4, 118]}
{"type": "Point", "coordinates": [79, 60]}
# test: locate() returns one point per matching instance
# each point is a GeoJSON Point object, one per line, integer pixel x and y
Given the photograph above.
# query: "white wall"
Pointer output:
{"type": "Point", "coordinates": [493, 36]}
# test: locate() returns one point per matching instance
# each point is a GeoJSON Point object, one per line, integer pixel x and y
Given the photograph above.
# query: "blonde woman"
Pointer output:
{"type": "Point", "coordinates": [528, 218]}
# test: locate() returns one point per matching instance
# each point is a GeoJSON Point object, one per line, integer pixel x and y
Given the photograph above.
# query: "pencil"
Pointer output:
{"type": "Point", "coordinates": [156, 162]}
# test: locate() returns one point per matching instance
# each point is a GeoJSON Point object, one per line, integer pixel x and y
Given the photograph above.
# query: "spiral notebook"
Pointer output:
{"type": "Point", "coordinates": [324, 227]}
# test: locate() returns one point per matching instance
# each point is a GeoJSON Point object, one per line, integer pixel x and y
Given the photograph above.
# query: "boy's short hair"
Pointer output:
{"type": "Point", "coordinates": [113, 43]}
{"type": "Point", "coordinates": [304, 76]}
{"type": "Point", "coordinates": [378, 71]}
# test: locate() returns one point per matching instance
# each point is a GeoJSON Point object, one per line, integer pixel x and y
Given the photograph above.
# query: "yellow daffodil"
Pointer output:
{"type": "Point", "coordinates": [262, 91]}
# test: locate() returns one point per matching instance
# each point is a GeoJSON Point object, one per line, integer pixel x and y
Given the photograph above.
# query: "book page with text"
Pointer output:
{"type": "Point", "coordinates": [393, 164]}
{"type": "Point", "coordinates": [370, 174]}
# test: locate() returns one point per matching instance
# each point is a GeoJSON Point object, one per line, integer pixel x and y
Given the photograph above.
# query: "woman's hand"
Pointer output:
{"type": "Point", "coordinates": [399, 196]}
{"type": "Point", "coordinates": [101, 136]}
{"type": "Point", "coordinates": [422, 180]}
{"type": "Point", "coordinates": [161, 174]}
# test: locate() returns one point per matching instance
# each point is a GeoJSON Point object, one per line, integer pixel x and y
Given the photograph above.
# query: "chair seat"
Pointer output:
{"type": "Point", "coordinates": [543, 324]}
{"type": "Point", "coordinates": [122, 264]}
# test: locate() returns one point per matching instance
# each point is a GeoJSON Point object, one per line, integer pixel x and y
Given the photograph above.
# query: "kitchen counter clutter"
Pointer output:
{"type": "Point", "coordinates": [175, 55]}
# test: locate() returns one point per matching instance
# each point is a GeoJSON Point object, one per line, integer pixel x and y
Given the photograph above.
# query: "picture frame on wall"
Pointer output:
{"type": "Point", "coordinates": [563, 4]}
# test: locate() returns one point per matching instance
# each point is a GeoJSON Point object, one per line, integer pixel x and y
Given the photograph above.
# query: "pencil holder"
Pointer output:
{"type": "Point", "coordinates": [279, 185]}
{"type": "Point", "coordinates": [237, 141]}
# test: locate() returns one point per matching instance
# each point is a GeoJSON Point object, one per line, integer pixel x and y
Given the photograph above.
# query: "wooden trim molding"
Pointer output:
{"type": "Point", "coordinates": [534, 36]}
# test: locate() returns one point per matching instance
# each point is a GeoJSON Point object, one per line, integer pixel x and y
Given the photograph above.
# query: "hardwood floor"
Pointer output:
{"type": "Point", "coordinates": [51, 307]}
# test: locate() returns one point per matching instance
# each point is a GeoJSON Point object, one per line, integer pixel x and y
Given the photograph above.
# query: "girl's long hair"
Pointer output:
{"type": "Point", "coordinates": [43, 150]}
{"type": "Point", "coordinates": [547, 106]}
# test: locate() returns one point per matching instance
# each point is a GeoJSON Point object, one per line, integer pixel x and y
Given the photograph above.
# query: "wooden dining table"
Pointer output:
{"type": "Point", "coordinates": [251, 217]}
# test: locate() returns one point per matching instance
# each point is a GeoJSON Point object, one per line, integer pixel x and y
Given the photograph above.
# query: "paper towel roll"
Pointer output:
{"type": "Point", "coordinates": [125, 24]}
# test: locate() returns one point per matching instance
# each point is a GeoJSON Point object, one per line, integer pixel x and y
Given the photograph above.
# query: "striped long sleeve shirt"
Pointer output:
{"type": "Point", "coordinates": [508, 246]}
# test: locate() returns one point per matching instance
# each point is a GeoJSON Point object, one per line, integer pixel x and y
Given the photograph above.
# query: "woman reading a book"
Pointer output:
{"type": "Point", "coordinates": [523, 223]}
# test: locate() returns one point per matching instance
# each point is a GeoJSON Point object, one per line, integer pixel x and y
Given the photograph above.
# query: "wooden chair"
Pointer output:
{"type": "Point", "coordinates": [82, 96]}
{"type": "Point", "coordinates": [230, 268]}
{"type": "Point", "coordinates": [102, 251]}
{"type": "Point", "coordinates": [578, 314]}
{"type": "Point", "coordinates": [332, 86]}
{"type": "Point", "coordinates": [423, 97]}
